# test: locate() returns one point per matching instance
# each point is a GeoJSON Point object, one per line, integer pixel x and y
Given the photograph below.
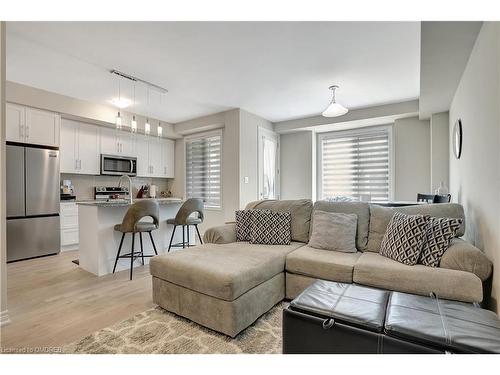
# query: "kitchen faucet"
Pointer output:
{"type": "Point", "coordinates": [129, 186]}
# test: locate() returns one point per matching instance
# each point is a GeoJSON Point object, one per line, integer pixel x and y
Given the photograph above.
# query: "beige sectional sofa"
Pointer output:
{"type": "Point", "coordinates": [226, 285]}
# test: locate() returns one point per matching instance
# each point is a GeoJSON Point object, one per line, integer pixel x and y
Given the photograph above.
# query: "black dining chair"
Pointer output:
{"type": "Point", "coordinates": [442, 198]}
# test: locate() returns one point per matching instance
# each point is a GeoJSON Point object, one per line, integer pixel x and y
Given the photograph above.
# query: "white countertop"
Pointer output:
{"type": "Point", "coordinates": [125, 202]}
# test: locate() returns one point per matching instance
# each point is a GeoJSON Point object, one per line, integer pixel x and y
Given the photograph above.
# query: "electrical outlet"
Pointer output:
{"type": "Point", "coordinates": [246, 179]}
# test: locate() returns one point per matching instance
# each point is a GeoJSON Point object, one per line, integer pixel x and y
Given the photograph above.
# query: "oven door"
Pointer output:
{"type": "Point", "coordinates": [112, 165]}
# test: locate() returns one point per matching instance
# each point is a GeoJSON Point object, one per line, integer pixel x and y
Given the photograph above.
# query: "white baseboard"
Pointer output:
{"type": "Point", "coordinates": [4, 318]}
{"type": "Point", "coordinates": [69, 248]}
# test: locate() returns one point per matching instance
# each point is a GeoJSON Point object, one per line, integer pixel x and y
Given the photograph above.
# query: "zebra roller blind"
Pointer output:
{"type": "Point", "coordinates": [203, 169]}
{"type": "Point", "coordinates": [356, 165]}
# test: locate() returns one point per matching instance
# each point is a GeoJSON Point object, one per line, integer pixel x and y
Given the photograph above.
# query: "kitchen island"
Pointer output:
{"type": "Point", "coordinates": [99, 241]}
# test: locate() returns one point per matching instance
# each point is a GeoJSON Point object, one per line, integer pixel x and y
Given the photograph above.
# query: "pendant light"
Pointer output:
{"type": "Point", "coordinates": [133, 124]}
{"type": "Point", "coordinates": [334, 109]}
{"type": "Point", "coordinates": [118, 119]}
{"type": "Point", "coordinates": [160, 129]}
{"type": "Point", "coordinates": [147, 127]}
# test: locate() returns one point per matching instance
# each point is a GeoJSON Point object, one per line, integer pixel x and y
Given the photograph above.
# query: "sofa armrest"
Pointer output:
{"type": "Point", "coordinates": [221, 234]}
{"type": "Point", "coordinates": [464, 256]}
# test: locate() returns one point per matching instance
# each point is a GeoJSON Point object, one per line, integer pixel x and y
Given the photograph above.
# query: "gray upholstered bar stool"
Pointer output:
{"type": "Point", "coordinates": [131, 224]}
{"type": "Point", "coordinates": [184, 219]}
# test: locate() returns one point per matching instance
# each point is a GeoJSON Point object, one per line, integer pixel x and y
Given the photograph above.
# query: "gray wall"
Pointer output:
{"type": "Point", "coordinates": [248, 155]}
{"type": "Point", "coordinates": [298, 165]}
{"type": "Point", "coordinates": [411, 158]}
{"type": "Point", "coordinates": [440, 160]}
{"type": "Point", "coordinates": [475, 177]}
{"type": "Point", "coordinates": [229, 121]}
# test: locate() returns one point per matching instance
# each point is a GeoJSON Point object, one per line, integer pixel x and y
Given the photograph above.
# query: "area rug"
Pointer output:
{"type": "Point", "coordinates": [157, 331]}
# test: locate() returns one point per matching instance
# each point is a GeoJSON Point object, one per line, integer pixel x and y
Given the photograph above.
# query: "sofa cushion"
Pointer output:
{"type": "Point", "coordinates": [381, 272]}
{"type": "Point", "coordinates": [360, 209]}
{"type": "Point", "coordinates": [381, 216]}
{"type": "Point", "coordinates": [300, 210]}
{"type": "Point", "coordinates": [322, 264]}
{"type": "Point", "coordinates": [333, 231]}
{"type": "Point", "coordinates": [404, 238]}
{"type": "Point", "coordinates": [223, 271]}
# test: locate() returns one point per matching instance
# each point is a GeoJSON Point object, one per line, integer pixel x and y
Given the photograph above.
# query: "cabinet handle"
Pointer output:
{"type": "Point", "coordinates": [21, 134]}
{"type": "Point", "coordinates": [80, 163]}
{"type": "Point", "coordinates": [165, 170]}
{"type": "Point", "coordinates": [27, 132]}
{"type": "Point", "coordinates": [76, 163]}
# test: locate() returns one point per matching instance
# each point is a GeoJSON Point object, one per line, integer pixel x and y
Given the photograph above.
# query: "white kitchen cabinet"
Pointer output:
{"type": "Point", "coordinates": [69, 225]}
{"type": "Point", "coordinates": [155, 157]}
{"type": "Point", "coordinates": [168, 157]}
{"type": "Point", "coordinates": [32, 125]}
{"type": "Point", "coordinates": [15, 119]}
{"type": "Point", "coordinates": [142, 154]}
{"type": "Point", "coordinates": [79, 148]}
{"type": "Point", "coordinates": [117, 142]}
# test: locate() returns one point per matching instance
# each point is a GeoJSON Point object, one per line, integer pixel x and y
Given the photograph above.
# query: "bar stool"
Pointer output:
{"type": "Point", "coordinates": [131, 224]}
{"type": "Point", "coordinates": [184, 219]}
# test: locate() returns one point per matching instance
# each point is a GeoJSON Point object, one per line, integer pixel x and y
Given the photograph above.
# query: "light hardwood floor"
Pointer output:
{"type": "Point", "coordinates": [53, 302]}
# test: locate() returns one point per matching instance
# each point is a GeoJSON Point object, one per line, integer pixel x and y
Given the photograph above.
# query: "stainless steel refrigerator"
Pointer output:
{"type": "Point", "coordinates": [32, 202]}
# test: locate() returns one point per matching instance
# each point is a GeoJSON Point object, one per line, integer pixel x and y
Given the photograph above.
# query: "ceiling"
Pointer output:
{"type": "Point", "coordinates": [277, 70]}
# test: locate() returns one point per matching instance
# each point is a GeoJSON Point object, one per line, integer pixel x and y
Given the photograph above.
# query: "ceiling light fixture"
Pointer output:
{"type": "Point", "coordinates": [118, 119]}
{"type": "Point", "coordinates": [121, 102]}
{"type": "Point", "coordinates": [160, 129]}
{"type": "Point", "coordinates": [334, 109]}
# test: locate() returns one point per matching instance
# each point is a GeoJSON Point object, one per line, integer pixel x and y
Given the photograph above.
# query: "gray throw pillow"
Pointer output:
{"type": "Point", "coordinates": [270, 228]}
{"type": "Point", "coordinates": [404, 238]}
{"type": "Point", "coordinates": [334, 231]}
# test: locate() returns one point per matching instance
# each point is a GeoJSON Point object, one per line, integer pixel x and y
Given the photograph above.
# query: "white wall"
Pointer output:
{"type": "Point", "coordinates": [411, 138]}
{"type": "Point", "coordinates": [475, 177]}
{"type": "Point", "coordinates": [248, 155]}
{"type": "Point", "coordinates": [440, 150]}
{"type": "Point", "coordinates": [3, 243]}
{"type": "Point", "coordinates": [298, 165]}
{"type": "Point", "coordinates": [229, 121]}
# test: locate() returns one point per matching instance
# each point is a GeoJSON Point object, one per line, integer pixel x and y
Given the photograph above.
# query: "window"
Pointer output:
{"type": "Point", "coordinates": [355, 164]}
{"type": "Point", "coordinates": [203, 168]}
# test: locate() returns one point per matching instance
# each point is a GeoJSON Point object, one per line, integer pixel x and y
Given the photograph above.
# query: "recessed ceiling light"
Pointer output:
{"type": "Point", "coordinates": [121, 102]}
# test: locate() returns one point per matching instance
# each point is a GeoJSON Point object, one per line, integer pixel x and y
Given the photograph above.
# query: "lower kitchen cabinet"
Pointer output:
{"type": "Point", "coordinates": [69, 225]}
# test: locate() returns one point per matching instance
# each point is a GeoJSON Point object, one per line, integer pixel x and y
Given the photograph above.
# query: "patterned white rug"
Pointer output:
{"type": "Point", "coordinates": [158, 331]}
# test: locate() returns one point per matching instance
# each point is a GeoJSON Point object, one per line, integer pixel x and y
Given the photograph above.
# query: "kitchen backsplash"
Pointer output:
{"type": "Point", "coordinates": [84, 184]}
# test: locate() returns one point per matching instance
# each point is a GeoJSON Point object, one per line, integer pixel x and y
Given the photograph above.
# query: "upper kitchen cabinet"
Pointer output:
{"type": "Point", "coordinates": [168, 155]}
{"type": "Point", "coordinates": [31, 125]}
{"type": "Point", "coordinates": [155, 157]}
{"type": "Point", "coordinates": [79, 148]}
{"type": "Point", "coordinates": [115, 142]}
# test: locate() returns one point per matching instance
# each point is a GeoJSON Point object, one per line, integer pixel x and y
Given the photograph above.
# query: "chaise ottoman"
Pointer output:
{"type": "Point", "coordinates": [225, 287]}
{"type": "Point", "coordinates": [337, 318]}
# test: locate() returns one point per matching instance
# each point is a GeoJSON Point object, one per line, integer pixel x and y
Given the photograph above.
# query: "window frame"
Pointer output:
{"type": "Point", "coordinates": [353, 132]}
{"type": "Point", "coordinates": [207, 134]}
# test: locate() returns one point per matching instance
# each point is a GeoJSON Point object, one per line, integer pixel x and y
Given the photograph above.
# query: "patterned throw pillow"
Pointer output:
{"type": "Point", "coordinates": [404, 238]}
{"type": "Point", "coordinates": [440, 232]}
{"type": "Point", "coordinates": [243, 223]}
{"type": "Point", "coordinates": [271, 228]}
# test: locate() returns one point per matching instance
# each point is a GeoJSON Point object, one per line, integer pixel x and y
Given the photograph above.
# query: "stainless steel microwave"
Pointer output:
{"type": "Point", "coordinates": [114, 165]}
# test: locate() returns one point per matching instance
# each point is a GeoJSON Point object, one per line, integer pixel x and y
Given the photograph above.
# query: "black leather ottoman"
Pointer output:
{"type": "Point", "coordinates": [330, 317]}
